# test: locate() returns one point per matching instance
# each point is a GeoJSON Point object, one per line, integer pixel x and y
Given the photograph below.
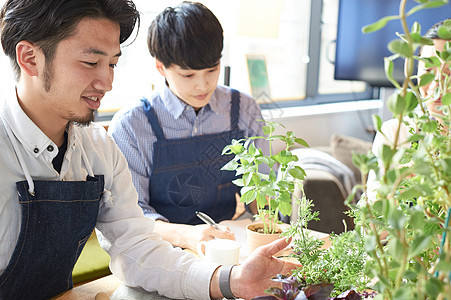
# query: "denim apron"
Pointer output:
{"type": "Point", "coordinates": [186, 175]}
{"type": "Point", "coordinates": [57, 219]}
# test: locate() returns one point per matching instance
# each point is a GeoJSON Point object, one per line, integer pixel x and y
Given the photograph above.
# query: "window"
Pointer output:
{"type": "Point", "coordinates": [294, 38]}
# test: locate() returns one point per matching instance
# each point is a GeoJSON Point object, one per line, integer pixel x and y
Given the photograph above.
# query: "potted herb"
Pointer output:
{"type": "Point", "coordinates": [405, 225]}
{"type": "Point", "coordinates": [340, 264]}
{"type": "Point", "coordinates": [271, 192]}
{"type": "Point", "coordinates": [404, 228]}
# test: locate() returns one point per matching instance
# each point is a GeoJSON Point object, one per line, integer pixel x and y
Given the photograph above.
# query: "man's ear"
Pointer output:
{"type": "Point", "coordinates": [160, 67]}
{"type": "Point", "coordinates": [26, 53]}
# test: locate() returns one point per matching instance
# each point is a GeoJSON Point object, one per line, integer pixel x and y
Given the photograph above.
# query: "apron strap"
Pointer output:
{"type": "Point", "coordinates": [235, 110]}
{"type": "Point", "coordinates": [153, 120]}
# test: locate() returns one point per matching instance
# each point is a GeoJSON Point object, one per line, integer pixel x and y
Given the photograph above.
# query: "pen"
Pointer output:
{"type": "Point", "coordinates": [207, 219]}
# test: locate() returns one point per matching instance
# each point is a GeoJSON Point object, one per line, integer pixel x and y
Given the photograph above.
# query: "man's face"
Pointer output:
{"type": "Point", "coordinates": [194, 87]}
{"type": "Point", "coordinates": [81, 72]}
{"type": "Point", "coordinates": [427, 91]}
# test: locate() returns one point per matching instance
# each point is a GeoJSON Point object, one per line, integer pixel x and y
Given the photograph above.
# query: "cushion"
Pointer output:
{"type": "Point", "coordinates": [93, 262]}
{"type": "Point", "coordinates": [342, 148]}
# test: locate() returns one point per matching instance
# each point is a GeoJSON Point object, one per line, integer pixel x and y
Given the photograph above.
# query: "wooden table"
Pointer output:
{"type": "Point", "coordinates": [110, 287]}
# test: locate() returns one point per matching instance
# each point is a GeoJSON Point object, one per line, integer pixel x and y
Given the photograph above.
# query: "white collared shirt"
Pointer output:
{"type": "Point", "coordinates": [138, 255]}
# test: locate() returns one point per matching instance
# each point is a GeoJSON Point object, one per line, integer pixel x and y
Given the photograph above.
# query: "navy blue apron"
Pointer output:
{"type": "Point", "coordinates": [186, 175]}
{"type": "Point", "coordinates": [56, 223]}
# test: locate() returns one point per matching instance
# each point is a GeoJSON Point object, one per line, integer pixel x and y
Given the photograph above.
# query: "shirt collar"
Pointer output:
{"type": "Point", "coordinates": [29, 135]}
{"type": "Point", "coordinates": [176, 107]}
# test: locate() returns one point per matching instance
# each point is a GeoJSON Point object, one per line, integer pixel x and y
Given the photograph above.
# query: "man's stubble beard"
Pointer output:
{"type": "Point", "coordinates": [79, 120]}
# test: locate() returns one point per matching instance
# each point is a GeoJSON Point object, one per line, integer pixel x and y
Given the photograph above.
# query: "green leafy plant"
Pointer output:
{"type": "Point", "coordinates": [341, 265]}
{"type": "Point", "coordinates": [272, 193]}
{"type": "Point", "coordinates": [405, 228]}
{"type": "Point", "coordinates": [401, 242]}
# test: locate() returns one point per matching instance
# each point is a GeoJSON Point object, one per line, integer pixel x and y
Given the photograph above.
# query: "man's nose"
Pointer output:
{"type": "Point", "coordinates": [104, 79]}
{"type": "Point", "coordinates": [202, 83]}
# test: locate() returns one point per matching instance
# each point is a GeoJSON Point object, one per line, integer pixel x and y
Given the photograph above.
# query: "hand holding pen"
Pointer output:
{"type": "Point", "coordinates": [207, 220]}
{"type": "Point", "coordinates": [225, 233]}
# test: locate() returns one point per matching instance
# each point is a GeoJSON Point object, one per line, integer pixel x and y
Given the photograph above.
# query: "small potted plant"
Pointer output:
{"type": "Point", "coordinates": [272, 192]}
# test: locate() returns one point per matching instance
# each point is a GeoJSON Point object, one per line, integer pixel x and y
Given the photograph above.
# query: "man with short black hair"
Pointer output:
{"type": "Point", "coordinates": [62, 175]}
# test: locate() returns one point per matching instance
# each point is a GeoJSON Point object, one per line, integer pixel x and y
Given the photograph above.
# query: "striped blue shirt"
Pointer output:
{"type": "Point", "coordinates": [134, 135]}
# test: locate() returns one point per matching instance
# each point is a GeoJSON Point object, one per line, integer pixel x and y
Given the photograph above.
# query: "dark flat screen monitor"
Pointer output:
{"type": "Point", "coordinates": [360, 56]}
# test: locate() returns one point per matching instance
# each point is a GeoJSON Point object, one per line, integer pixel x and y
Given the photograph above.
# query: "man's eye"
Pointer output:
{"type": "Point", "coordinates": [112, 66]}
{"type": "Point", "coordinates": [188, 75]}
{"type": "Point", "coordinates": [91, 64]}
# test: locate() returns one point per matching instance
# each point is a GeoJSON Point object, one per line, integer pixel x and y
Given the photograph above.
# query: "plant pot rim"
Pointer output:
{"type": "Point", "coordinates": [253, 226]}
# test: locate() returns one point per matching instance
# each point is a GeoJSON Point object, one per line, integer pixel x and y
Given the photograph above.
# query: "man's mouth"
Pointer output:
{"type": "Point", "coordinates": [92, 101]}
{"type": "Point", "coordinates": [93, 98]}
{"type": "Point", "coordinates": [202, 97]}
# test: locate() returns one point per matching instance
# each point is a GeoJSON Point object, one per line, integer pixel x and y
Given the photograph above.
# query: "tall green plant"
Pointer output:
{"type": "Point", "coordinates": [271, 192]}
{"type": "Point", "coordinates": [406, 227]}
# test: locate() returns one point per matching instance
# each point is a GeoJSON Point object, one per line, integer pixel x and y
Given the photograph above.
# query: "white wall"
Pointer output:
{"type": "Point", "coordinates": [316, 124]}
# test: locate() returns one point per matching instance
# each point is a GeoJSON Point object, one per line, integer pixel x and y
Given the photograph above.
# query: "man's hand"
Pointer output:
{"type": "Point", "coordinates": [188, 236]}
{"type": "Point", "coordinates": [204, 232]}
{"type": "Point", "coordinates": [252, 278]}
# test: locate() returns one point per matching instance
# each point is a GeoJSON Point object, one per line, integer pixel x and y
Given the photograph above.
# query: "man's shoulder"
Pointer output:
{"type": "Point", "coordinates": [94, 130]}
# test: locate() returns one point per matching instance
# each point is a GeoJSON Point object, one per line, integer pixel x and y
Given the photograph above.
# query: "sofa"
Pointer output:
{"type": "Point", "coordinates": [331, 175]}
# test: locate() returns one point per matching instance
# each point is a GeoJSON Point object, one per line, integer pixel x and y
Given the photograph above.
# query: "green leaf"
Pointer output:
{"type": "Point", "coordinates": [370, 243]}
{"type": "Point", "coordinates": [379, 24]}
{"type": "Point", "coordinates": [237, 149]}
{"type": "Point", "coordinates": [276, 137]}
{"type": "Point", "coordinates": [252, 150]}
{"type": "Point", "coordinates": [272, 175]}
{"type": "Point", "coordinates": [267, 130]}
{"type": "Point", "coordinates": [377, 122]}
{"type": "Point", "coordinates": [230, 166]}
{"type": "Point", "coordinates": [301, 142]}
{"type": "Point", "coordinates": [426, 78]}
{"type": "Point", "coordinates": [396, 249]}
{"type": "Point", "coordinates": [410, 193]}
{"type": "Point", "coordinates": [444, 32]}
{"type": "Point", "coordinates": [400, 47]}
{"type": "Point", "coordinates": [238, 182]}
{"type": "Point", "coordinates": [396, 218]}
{"type": "Point", "coordinates": [430, 62]}
{"type": "Point", "coordinates": [396, 104]}
{"type": "Point", "coordinates": [388, 66]}
{"type": "Point", "coordinates": [429, 4]}
{"type": "Point", "coordinates": [403, 293]}
{"type": "Point", "coordinates": [418, 245]}
{"type": "Point", "coordinates": [245, 189]}
{"type": "Point", "coordinates": [247, 178]}
{"type": "Point", "coordinates": [433, 287]}
{"type": "Point", "coordinates": [387, 153]}
{"type": "Point", "coordinates": [416, 28]}
{"type": "Point", "coordinates": [285, 208]}
{"type": "Point", "coordinates": [416, 37]}
{"type": "Point", "coordinates": [273, 203]}
{"type": "Point", "coordinates": [411, 101]}
{"type": "Point", "coordinates": [249, 196]}
{"type": "Point", "coordinates": [417, 220]}
{"type": "Point", "coordinates": [446, 99]}
{"type": "Point", "coordinates": [261, 199]}
{"type": "Point", "coordinates": [430, 127]}
{"type": "Point", "coordinates": [297, 173]}
{"type": "Point", "coordinates": [284, 157]}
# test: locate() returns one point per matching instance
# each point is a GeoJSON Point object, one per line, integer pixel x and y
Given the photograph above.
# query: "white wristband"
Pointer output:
{"type": "Point", "coordinates": [224, 282]}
